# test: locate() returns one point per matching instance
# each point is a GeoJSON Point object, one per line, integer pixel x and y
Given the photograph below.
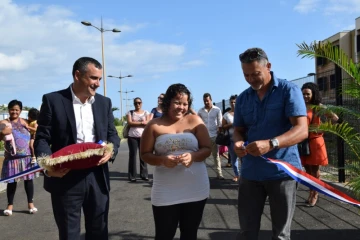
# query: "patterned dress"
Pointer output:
{"type": "Point", "coordinates": [22, 160]}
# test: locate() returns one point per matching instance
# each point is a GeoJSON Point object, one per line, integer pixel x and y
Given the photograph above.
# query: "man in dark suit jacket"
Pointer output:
{"type": "Point", "coordinates": [74, 115]}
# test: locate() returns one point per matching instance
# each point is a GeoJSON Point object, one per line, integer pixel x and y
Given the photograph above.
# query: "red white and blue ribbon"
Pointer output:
{"type": "Point", "coordinates": [34, 169]}
{"type": "Point", "coordinates": [313, 183]}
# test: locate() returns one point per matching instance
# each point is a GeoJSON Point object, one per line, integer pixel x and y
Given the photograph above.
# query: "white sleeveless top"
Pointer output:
{"type": "Point", "coordinates": [179, 184]}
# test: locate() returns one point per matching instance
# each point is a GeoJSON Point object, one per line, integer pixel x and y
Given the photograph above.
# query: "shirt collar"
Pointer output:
{"type": "Point", "coordinates": [91, 100]}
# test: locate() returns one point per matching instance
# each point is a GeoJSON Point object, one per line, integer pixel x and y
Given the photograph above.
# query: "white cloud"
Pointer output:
{"type": "Point", "coordinates": [328, 7]}
{"type": "Point", "coordinates": [342, 6]}
{"type": "Point", "coordinates": [40, 43]}
{"type": "Point", "coordinates": [193, 63]}
{"type": "Point", "coordinates": [19, 61]}
{"type": "Point", "coordinates": [305, 6]}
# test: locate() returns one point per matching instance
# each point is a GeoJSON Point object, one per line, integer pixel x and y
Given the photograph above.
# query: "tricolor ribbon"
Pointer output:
{"type": "Point", "coordinates": [312, 182]}
{"type": "Point", "coordinates": [35, 169]}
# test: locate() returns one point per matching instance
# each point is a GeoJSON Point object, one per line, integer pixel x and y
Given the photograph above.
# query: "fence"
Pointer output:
{"type": "Point", "coordinates": [341, 158]}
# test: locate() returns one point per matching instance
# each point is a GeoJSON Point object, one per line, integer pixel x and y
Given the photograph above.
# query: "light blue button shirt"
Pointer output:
{"type": "Point", "coordinates": [267, 119]}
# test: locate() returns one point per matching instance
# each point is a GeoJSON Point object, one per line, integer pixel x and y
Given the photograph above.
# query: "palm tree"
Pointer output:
{"type": "Point", "coordinates": [351, 87]}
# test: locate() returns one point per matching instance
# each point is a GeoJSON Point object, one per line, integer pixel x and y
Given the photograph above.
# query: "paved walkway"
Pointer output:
{"type": "Point", "coordinates": [131, 214]}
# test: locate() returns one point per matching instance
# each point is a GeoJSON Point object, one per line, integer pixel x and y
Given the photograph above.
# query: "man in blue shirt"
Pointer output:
{"type": "Point", "coordinates": [271, 116]}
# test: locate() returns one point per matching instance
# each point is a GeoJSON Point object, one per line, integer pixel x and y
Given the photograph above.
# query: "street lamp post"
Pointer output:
{"type": "Point", "coordinates": [127, 105]}
{"type": "Point", "coordinates": [120, 77]}
{"type": "Point", "coordinates": [126, 92]}
{"type": "Point", "coordinates": [102, 30]}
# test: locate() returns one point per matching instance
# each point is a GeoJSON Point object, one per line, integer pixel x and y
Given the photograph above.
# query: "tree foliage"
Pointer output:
{"type": "Point", "coordinates": [351, 87]}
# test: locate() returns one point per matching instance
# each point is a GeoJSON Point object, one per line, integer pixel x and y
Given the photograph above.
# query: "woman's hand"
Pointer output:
{"type": "Point", "coordinates": [185, 159]}
{"type": "Point", "coordinates": [170, 161]}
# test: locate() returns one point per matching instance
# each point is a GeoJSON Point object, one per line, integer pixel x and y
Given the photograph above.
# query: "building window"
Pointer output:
{"type": "Point", "coordinates": [332, 81]}
{"type": "Point", "coordinates": [358, 43]}
{"type": "Point", "coordinates": [320, 61]}
{"type": "Point", "coordinates": [322, 83]}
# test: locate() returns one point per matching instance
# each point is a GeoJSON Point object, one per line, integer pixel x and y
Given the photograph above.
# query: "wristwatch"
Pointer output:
{"type": "Point", "coordinates": [274, 143]}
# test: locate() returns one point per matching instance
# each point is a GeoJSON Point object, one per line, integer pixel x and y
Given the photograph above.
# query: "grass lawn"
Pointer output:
{"type": "Point", "coordinates": [119, 129]}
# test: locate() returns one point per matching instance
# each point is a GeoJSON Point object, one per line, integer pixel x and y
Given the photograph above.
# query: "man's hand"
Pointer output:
{"type": "Point", "coordinates": [58, 173]}
{"type": "Point", "coordinates": [240, 149]}
{"type": "Point", "coordinates": [258, 148]}
{"type": "Point", "coordinates": [106, 157]}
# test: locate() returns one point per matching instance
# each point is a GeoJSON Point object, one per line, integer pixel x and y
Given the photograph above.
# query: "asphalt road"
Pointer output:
{"type": "Point", "coordinates": [131, 217]}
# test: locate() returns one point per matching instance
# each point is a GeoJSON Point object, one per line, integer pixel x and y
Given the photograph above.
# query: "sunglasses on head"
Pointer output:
{"type": "Point", "coordinates": [250, 56]}
{"type": "Point", "coordinates": [137, 103]}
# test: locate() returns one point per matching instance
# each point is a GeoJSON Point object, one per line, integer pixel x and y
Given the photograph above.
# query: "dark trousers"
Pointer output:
{"type": "Point", "coordinates": [251, 201]}
{"type": "Point", "coordinates": [134, 145]}
{"type": "Point", "coordinates": [187, 215]}
{"type": "Point", "coordinates": [11, 189]}
{"type": "Point", "coordinates": [93, 198]}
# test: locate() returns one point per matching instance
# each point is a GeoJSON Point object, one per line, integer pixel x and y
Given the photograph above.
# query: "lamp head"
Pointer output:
{"type": "Point", "coordinates": [116, 30]}
{"type": "Point", "coordinates": [86, 23]}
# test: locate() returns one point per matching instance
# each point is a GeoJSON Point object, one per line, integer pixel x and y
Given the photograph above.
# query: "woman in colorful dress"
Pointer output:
{"type": "Point", "coordinates": [177, 144]}
{"type": "Point", "coordinates": [19, 162]}
{"type": "Point", "coordinates": [318, 155]}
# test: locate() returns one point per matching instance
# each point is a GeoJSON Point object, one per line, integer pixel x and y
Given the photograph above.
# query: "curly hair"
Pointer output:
{"type": "Point", "coordinates": [14, 103]}
{"type": "Point", "coordinates": [172, 92]}
{"type": "Point", "coordinates": [316, 96]}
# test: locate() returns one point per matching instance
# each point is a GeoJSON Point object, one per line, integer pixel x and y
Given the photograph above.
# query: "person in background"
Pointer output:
{"type": "Point", "coordinates": [223, 129]}
{"type": "Point", "coordinates": [157, 112]}
{"type": "Point", "coordinates": [271, 116]}
{"type": "Point", "coordinates": [212, 117]}
{"type": "Point", "coordinates": [227, 125]}
{"type": "Point", "coordinates": [177, 144]}
{"type": "Point", "coordinates": [32, 118]}
{"type": "Point", "coordinates": [137, 120]}
{"type": "Point", "coordinates": [21, 161]}
{"type": "Point", "coordinates": [318, 155]}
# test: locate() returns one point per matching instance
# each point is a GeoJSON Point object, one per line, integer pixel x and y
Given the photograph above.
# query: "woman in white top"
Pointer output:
{"type": "Point", "coordinates": [137, 120]}
{"type": "Point", "coordinates": [227, 124]}
{"type": "Point", "coordinates": [177, 143]}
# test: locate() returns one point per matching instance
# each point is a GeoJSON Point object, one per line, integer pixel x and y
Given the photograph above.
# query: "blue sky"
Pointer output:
{"type": "Point", "coordinates": [196, 43]}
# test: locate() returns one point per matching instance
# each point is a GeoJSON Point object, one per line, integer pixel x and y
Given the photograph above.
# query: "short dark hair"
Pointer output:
{"type": "Point", "coordinates": [33, 113]}
{"type": "Point", "coordinates": [252, 55]}
{"type": "Point", "coordinates": [316, 96]}
{"type": "Point", "coordinates": [171, 92]}
{"type": "Point", "coordinates": [136, 99]}
{"type": "Point", "coordinates": [82, 63]}
{"type": "Point", "coordinates": [15, 102]}
{"type": "Point", "coordinates": [232, 97]}
{"type": "Point", "coordinates": [207, 95]}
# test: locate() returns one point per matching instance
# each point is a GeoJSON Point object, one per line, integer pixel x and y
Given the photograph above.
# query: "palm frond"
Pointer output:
{"type": "Point", "coordinates": [339, 110]}
{"type": "Point", "coordinates": [344, 131]}
{"type": "Point", "coordinates": [332, 53]}
{"type": "Point", "coordinates": [354, 186]}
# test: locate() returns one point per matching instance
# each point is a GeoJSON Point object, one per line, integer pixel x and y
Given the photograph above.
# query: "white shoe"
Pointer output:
{"type": "Point", "coordinates": [33, 210]}
{"type": "Point", "coordinates": [7, 212]}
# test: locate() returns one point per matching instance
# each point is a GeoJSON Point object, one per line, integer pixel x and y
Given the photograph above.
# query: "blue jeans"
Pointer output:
{"type": "Point", "coordinates": [234, 157]}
